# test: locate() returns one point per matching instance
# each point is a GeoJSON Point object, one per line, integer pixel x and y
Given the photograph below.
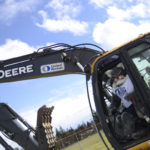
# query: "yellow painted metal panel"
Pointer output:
{"type": "Point", "coordinates": [141, 146]}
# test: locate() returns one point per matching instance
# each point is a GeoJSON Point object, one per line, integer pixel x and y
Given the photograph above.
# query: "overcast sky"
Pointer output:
{"type": "Point", "coordinates": [26, 25]}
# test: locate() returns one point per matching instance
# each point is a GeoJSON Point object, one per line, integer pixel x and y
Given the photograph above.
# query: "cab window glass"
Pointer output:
{"type": "Point", "coordinates": [141, 57]}
{"type": "Point", "coordinates": [113, 80]}
{"type": "Point", "coordinates": [121, 105]}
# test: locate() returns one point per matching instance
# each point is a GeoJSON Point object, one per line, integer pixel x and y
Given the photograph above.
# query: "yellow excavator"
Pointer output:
{"type": "Point", "coordinates": [125, 129]}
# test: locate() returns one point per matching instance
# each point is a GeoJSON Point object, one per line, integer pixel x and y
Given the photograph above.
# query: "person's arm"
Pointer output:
{"type": "Point", "coordinates": [116, 101]}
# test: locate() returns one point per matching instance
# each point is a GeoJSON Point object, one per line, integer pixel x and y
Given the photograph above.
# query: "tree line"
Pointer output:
{"type": "Point", "coordinates": [66, 137]}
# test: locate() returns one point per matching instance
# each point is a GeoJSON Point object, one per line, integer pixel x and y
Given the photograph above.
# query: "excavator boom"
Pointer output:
{"type": "Point", "coordinates": [48, 62]}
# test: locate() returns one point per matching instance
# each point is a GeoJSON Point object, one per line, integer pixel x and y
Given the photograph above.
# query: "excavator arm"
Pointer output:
{"type": "Point", "coordinates": [57, 59]}
{"type": "Point", "coordinates": [48, 62]}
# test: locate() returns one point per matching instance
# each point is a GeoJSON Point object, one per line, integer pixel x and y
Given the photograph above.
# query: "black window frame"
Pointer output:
{"type": "Point", "coordinates": [98, 96]}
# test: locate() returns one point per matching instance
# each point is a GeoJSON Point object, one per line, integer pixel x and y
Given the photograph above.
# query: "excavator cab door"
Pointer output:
{"type": "Point", "coordinates": [121, 87]}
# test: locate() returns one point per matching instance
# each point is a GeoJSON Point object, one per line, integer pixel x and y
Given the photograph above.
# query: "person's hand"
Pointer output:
{"type": "Point", "coordinates": [113, 111]}
{"type": "Point", "coordinates": [129, 96]}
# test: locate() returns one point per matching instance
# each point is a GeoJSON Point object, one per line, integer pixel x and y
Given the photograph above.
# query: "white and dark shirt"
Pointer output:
{"type": "Point", "coordinates": [123, 90]}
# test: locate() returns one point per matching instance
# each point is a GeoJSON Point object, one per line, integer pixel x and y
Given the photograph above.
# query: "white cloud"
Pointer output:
{"type": "Point", "coordinates": [65, 24]}
{"type": "Point", "coordinates": [64, 18]}
{"type": "Point", "coordinates": [139, 10]}
{"type": "Point", "coordinates": [14, 48]}
{"type": "Point", "coordinates": [11, 8]}
{"type": "Point", "coordinates": [30, 116]}
{"type": "Point", "coordinates": [115, 32]}
{"type": "Point", "coordinates": [122, 24]}
{"type": "Point", "coordinates": [132, 12]}
{"type": "Point", "coordinates": [117, 13]}
{"type": "Point", "coordinates": [71, 111]}
{"type": "Point", "coordinates": [68, 112]}
{"type": "Point", "coordinates": [101, 3]}
{"type": "Point", "coordinates": [120, 4]}
{"type": "Point", "coordinates": [63, 8]}
{"type": "Point", "coordinates": [107, 3]}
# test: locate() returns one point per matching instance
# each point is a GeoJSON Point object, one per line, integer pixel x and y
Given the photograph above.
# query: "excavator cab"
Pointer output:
{"type": "Point", "coordinates": [121, 86]}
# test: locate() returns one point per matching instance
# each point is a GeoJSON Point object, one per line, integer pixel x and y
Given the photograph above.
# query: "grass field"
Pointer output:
{"type": "Point", "coordinates": [91, 143]}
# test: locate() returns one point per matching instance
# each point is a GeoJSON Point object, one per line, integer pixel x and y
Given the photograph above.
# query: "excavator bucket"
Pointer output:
{"type": "Point", "coordinates": [44, 127]}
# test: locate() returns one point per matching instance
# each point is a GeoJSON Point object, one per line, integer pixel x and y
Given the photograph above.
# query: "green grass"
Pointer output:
{"type": "Point", "coordinates": [91, 143]}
